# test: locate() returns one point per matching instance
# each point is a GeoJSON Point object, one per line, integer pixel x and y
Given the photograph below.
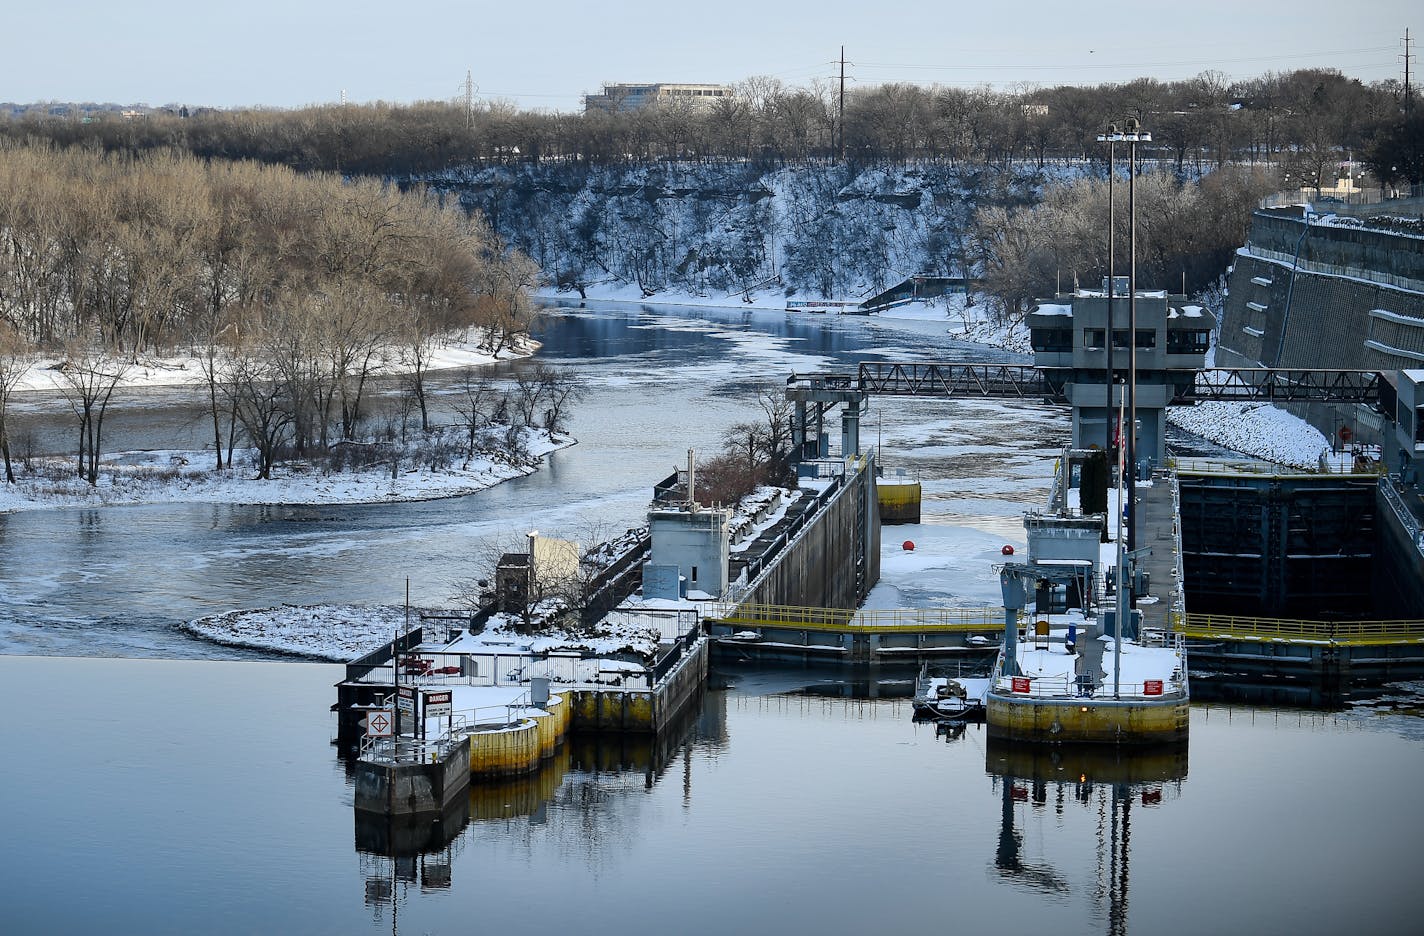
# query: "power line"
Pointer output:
{"type": "Point", "coordinates": [1190, 63]}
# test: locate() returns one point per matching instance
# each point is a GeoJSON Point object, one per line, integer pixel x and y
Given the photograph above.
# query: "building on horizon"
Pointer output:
{"type": "Point", "coordinates": [622, 98]}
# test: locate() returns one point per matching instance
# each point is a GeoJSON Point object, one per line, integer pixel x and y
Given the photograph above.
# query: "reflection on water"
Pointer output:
{"type": "Point", "coordinates": [1104, 782]}
{"type": "Point", "coordinates": [177, 791]}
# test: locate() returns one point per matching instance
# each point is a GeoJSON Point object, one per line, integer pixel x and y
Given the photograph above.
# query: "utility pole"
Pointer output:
{"type": "Point", "coordinates": [841, 100]}
{"type": "Point", "coordinates": [1408, 93]}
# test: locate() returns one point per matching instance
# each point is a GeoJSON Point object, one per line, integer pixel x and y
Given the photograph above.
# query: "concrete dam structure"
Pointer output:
{"type": "Point", "coordinates": [1314, 290]}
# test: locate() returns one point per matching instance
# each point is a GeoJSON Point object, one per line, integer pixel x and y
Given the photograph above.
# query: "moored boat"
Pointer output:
{"type": "Point", "coordinates": [952, 697]}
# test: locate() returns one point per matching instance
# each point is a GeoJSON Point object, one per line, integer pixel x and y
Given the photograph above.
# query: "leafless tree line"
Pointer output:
{"type": "Point", "coordinates": [1208, 119]}
{"type": "Point", "coordinates": [292, 289]}
{"type": "Point", "coordinates": [1186, 232]}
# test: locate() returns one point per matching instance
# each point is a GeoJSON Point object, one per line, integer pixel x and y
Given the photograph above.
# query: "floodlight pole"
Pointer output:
{"type": "Point", "coordinates": [1110, 138]}
{"type": "Point", "coordinates": [1134, 136]}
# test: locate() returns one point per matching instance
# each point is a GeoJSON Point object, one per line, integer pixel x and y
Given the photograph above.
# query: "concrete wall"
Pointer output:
{"type": "Point", "coordinates": [1398, 568]}
{"type": "Point", "coordinates": [412, 788]}
{"type": "Point", "coordinates": [1345, 279]}
{"type": "Point", "coordinates": [834, 561]}
{"type": "Point", "coordinates": [639, 711]}
{"type": "Point", "coordinates": [1097, 722]}
{"type": "Point", "coordinates": [1383, 256]}
{"type": "Point", "coordinates": [505, 752]}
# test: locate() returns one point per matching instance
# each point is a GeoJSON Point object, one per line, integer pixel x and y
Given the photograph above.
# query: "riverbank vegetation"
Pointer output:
{"type": "Point", "coordinates": [771, 189]}
{"type": "Point", "coordinates": [1208, 120]}
{"type": "Point", "coordinates": [292, 290]}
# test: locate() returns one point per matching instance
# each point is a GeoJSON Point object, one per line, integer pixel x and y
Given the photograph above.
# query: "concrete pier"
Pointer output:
{"type": "Point", "coordinates": [401, 785]}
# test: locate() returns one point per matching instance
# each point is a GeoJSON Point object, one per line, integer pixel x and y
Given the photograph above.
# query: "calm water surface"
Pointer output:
{"type": "Point", "coordinates": [157, 796]}
{"type": "Point", "coordinates": [122, 581]}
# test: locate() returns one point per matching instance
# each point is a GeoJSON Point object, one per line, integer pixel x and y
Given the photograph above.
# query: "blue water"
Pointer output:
{"type": "Point", "coordinates": [121, 581]}
{"type": "Point", "coordinates": [159, 796]}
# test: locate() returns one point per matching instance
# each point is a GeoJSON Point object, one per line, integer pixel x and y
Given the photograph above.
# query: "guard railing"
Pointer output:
{"type": "Point", "coordinates": [967, 620]}
{"type": "Point", "coordinates": [1231, 627]}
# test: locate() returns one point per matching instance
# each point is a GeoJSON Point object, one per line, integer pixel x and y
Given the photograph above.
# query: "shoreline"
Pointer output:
{"type": "Point", "coordinates": [143, 480]}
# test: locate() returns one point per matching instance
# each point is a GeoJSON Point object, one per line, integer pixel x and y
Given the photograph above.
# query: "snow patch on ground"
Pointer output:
{"type": "Point", "coordinates": [460, 349]}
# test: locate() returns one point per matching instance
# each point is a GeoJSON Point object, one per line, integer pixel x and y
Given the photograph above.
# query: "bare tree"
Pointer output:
{"type": "Point", "coordinates": [14, 362]}
{"type": "Point", "coordinates": [88, 379]}
{"type": "Point", "coordinates": [474, 406]}
{"type": "Point", "coordinates": [260, 400]}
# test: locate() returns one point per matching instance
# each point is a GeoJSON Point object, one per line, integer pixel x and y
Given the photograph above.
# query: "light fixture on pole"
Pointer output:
{"type": "Point", "coordinates": [1110, 138]}
{"type": "Point", "coordinates": [1133, 135]}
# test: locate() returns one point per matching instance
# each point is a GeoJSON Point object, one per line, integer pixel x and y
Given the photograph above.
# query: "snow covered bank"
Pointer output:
{"type": "Point", "coordinates": [131, 478]}
{"type": "Point", "coordinates": [1256, 429]}
{"type": "Point", "coordinates": [459, 349]}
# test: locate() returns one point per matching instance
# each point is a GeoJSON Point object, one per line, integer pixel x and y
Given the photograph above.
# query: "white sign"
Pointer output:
{"type": "Point", "coordinates": [379, 723]}
{"type": "Point", "coordinates": [437, 704]}
{"type": "Point", "coordinates": [405, 700]}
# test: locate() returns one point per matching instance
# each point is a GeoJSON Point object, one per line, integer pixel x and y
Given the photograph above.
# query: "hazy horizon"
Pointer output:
{"type": "Point", "coordinates": [265, 54]}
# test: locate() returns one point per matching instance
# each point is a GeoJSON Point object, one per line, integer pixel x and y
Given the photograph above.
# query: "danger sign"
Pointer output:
{"type": "Point", "coordinates": [437, 704]}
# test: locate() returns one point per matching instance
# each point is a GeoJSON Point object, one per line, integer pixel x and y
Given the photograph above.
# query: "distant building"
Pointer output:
{"type": "Point", "coordinates": [621, 98]}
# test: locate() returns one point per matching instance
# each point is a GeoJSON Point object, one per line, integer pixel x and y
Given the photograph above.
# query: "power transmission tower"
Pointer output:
{"type": "Point", "coordinates": [469, 99]}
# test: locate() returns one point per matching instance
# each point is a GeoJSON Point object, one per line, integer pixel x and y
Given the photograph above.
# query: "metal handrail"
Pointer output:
{"type": "Point", "coordinates": [1067, 687]}
{"type": "Point", "coordinates": [1402, 513]}
{"type": "Point", "coordinates": [843, 620]}
{"type": "Point", "coordinates": [1233, 627]}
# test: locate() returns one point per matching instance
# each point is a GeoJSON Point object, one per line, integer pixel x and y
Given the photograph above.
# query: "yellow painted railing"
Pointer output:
{"type": "Point", "coordinates": [1220, 626]}
{"type": "Point", "coordinates": [967, 620]}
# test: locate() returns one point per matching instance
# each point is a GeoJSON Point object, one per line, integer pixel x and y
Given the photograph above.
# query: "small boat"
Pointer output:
{"type": "Point", "coordinates": [949, 697]}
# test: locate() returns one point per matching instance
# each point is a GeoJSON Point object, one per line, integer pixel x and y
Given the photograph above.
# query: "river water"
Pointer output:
{"type": "Point", "coordinates": [120, 581]}
{"type": "Point", "coordinates": [161, 796]}
{"type": "Point", "coordinates": [185, 787]}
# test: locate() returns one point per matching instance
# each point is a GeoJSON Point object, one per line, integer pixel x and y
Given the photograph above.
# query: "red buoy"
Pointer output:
{"type": "Point", "coordinates": [908, 545]}
{"type": "Point", "coordinates": [1007, 550]}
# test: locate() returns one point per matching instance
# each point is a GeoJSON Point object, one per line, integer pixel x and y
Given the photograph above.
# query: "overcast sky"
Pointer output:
{"type": "Point", "coordinates": [544, 54]}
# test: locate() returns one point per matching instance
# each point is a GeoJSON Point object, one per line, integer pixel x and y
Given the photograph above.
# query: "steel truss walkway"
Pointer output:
{"type": "Point", "coordinates": [1027, 382]}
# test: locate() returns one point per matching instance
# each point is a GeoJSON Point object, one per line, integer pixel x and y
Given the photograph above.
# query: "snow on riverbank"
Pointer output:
{"type": "Point", "coordinates": [327, 632]}
{"type": "Point", "coordinates": [460, 349]}
{"type": "Point", "coordinates": [971, 323]}
{"type": "Point", "coordinates": [133, 478]}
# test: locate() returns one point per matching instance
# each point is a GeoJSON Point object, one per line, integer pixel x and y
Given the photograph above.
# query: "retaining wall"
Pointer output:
{"type": "Point", "coordinates": [834, 561]}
